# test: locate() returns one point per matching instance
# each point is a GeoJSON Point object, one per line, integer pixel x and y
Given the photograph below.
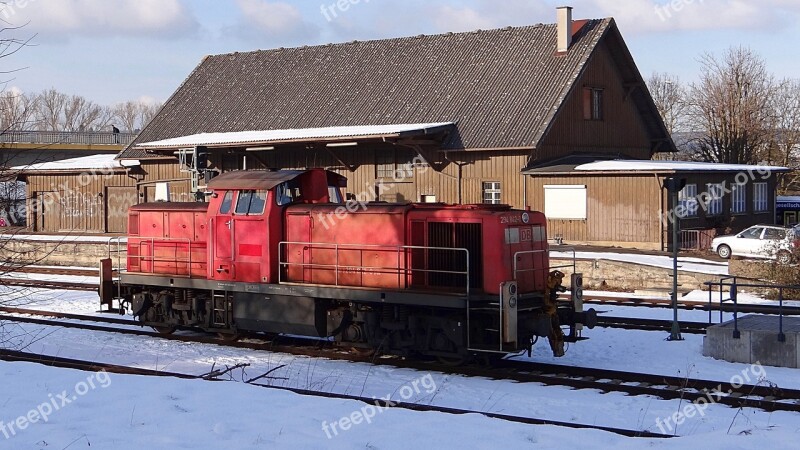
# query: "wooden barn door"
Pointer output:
{"type": "Point", "coordinates": [48, 212]}
{"type": "Point", "coordinates": [117, 201]}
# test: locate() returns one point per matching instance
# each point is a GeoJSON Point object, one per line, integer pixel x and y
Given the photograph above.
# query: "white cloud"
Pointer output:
{"type": "Point", "coordinates": [100, 17]}
{"type": "Point", "coordinates": [488, 14]}
{"type": "Point", "coordinates": [280, 22]}
{"type": "Point", "coordinates": [641, 16]}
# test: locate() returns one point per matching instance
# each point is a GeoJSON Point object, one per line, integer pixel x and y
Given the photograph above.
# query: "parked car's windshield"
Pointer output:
{"type": "Point", "coordinates": [752, 233]}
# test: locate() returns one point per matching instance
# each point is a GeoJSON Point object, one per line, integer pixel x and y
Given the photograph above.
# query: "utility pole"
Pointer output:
{"type": "Point", "coordinates": [674, 186]}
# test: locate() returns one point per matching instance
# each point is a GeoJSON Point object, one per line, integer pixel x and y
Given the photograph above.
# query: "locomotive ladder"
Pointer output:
{"type": "Point", "coordinates": [220, 308]}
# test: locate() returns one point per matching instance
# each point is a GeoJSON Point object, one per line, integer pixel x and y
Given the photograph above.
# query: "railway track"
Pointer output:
{"type": "Point", "coordinates": [745, 308]}
{"type": "Point", "coordinates": [53, 361]}
{"type": "Point", "coordinates": [631, 323]}
{"type": "Point", "coordinates": [7, 278]}
{"type": "Point", "coordinates": [768, 398]}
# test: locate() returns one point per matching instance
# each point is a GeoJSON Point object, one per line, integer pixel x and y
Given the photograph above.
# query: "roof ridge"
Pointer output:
{"type": "Point", "coordinates": [402, 38]}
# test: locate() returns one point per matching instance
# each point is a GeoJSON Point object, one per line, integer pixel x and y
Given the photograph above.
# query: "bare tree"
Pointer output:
{"type": "Point", "coordinates": [17, 111]}
{"type": "Point", "coordinates": [669, 96]}
{"type": "Point", "coordinates": [784, 149]}
{"type": "Point", "coordinates": [50, 109]}
{"type": "Point", "coordinates": [731, 107]}
{"type": "Point", "coordinates": [148, 111]}
{"type": "Point", "coordinates": [127, 114]}
{"type": "Point", "coordinates": [134, 115]}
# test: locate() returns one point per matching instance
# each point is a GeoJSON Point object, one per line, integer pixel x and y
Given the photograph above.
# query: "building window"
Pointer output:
{"type": "Point", "coordinates": [592, 103]}
{"type": "Point", "coordinates": [760, 197]}
{"type": "Point", "coordinates": [491, 192]}
{"type": "Point", "coordinates": [387, 165]}
{"type": "Point", "coordinates": [738, 199]}
{"type": "Point", "coordinates": [715, 194]}
{"type": "Point", "coordinates": [687, 201]}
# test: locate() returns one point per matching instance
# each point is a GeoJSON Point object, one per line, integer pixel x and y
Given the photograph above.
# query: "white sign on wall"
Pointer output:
{"type": "Point", "coordinates": [566, 202]}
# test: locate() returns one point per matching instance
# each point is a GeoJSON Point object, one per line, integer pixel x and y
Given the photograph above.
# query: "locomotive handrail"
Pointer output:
{"type": "Point", "coordinates": [574, 264]}
{"type": "Point", "coordinates": [400, 249]}
{"type": "Point", "coordinates": [153, 259]}
{"type": "Point", "coordinates": [118, 268]}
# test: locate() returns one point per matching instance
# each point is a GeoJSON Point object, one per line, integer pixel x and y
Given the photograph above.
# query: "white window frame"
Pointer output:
{"type": "Point", "coordinates": [687, 198]}
{"type": "Point", "coordinates": [715, 191]}
{"type": "Point", "coordinates": [492, 192]}
{"type": "Point", "coordinates": [739, 199]}
{"type": "Point", "coordinates": [760, 197]}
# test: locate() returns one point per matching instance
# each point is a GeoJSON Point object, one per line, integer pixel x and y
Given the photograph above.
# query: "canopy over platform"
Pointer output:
{"type": "Point", "coordinates": [256, 140]}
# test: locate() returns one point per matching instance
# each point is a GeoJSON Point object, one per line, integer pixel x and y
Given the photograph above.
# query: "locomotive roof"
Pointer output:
{"type": "Point", "coordinates": [258, 179]}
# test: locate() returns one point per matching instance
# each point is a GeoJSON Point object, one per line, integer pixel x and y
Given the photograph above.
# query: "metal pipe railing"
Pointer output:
{"type": "Point", "coordinates": [401, 250]}
{"type": "Point", "coordinates": [67, 137]}
{"type": "Point", "coordinates": [733, 285]}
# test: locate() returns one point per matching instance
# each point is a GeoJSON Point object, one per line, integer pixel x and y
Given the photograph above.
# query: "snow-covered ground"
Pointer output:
{"type": "Point", "coordinates": [687, 264]}
{"type": "Point", "coordinates": [137, 412]}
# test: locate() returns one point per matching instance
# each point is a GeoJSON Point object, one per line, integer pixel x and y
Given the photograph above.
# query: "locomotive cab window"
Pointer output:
{"type": "Point", "coordinates": [251, 203]}
{"type": "Point", "coordinates": [334, 194]}
{"type": "Point", "coordinates": [227, 202]}
{"type": "Point", "coordinates": [287, 193]}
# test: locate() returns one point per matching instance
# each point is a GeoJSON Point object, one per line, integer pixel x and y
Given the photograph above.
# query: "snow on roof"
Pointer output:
{"type": "Point", "coordinates": [670, 166]}
{"type": "Point", "coordinates": [266, 136]}
{"type": "Point", "coordinates": [94, 162]}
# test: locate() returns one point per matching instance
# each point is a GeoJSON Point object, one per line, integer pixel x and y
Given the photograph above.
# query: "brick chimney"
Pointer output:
{"type": "Point", "coordinates": [564, 16]}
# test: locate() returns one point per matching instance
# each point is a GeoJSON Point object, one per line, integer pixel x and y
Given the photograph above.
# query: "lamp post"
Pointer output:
{"type": "Point", "coordinates": [674, 186]}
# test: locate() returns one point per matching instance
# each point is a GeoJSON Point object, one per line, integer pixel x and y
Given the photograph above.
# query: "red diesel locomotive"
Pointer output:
{"type": "Point", "coordinates": [282, 252]}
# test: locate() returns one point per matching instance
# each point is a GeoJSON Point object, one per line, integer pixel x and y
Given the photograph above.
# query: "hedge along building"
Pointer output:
{"type": "Point", "coordinates": [481, 109]}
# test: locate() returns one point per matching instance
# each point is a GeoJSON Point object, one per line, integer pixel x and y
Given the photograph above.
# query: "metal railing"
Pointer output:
{"type": "Point", "coordinates": [403, 253]}
{"type": "Point", "coordinates": [549, 269]}
{"type": "Point", "coordinates": [67, 137]}
{"type": "Point", "coordinates": [732, 283]}
{"type": "Point", "coordinates": [695, 240]}
{"type": "Point", "coordinates": [153, 259]}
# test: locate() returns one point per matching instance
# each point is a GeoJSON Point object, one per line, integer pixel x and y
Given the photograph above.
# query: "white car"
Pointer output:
{"type": "Point", "coordinates": [759, 241]}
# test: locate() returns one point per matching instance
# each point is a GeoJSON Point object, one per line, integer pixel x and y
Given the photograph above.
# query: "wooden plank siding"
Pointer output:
{"type": "Point", "coordinates": [620, 132]}
{"type": "Point", "coordinates": [630, 209]}
{"type": "Point", "coordinates": [620, 209]}
{"type": "Point", "coordinates": [73, 202]}
{"type": "Point", "coordinates": [96, 201]}
{"type": "Point", "coordinates": [476, 168]}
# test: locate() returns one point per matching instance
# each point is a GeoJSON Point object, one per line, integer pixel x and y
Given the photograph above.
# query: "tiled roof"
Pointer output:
{"type": "Point", "coordinates": [502, 86]}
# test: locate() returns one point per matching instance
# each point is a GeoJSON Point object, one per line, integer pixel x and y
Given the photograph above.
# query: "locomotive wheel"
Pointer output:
{"type": "Point", "coordinates": [363, 351]}
{"type": "Point", "coordinates": [452, 361]}
{"type": "Point", "coordinates": [229, 337]}
{"type": "Point", "coordinates": [165, 330]}
{"type": "Point", "coordinates": [443, 344]}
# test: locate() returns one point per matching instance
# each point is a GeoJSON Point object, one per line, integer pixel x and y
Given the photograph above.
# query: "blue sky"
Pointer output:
{"type": "Point", "coordinates": [117, 50]}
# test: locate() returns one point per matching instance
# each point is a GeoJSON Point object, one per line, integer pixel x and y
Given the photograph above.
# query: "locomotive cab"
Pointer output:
{"type": "Point", "coordinates": [245, 218]}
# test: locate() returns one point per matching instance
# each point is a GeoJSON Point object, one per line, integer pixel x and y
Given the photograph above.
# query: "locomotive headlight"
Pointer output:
{"type": "Point", "coordinates": [512, 302]}
{"type": "Point", "coordinates": [526, 217]}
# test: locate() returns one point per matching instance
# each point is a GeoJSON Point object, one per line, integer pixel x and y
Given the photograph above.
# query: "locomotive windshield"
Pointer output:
{"type": "Point", "coordinates": [251, 203]}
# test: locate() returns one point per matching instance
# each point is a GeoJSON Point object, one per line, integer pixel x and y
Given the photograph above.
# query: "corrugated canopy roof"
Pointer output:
{"type": "Point", "coordinates": [251, 138]}
{"type": "Point", "coordinates": [93, 162]}
{"type": "Point", "coordinates": [572, 166]}
{"type": "Point", "coordinates": [503, 87]}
